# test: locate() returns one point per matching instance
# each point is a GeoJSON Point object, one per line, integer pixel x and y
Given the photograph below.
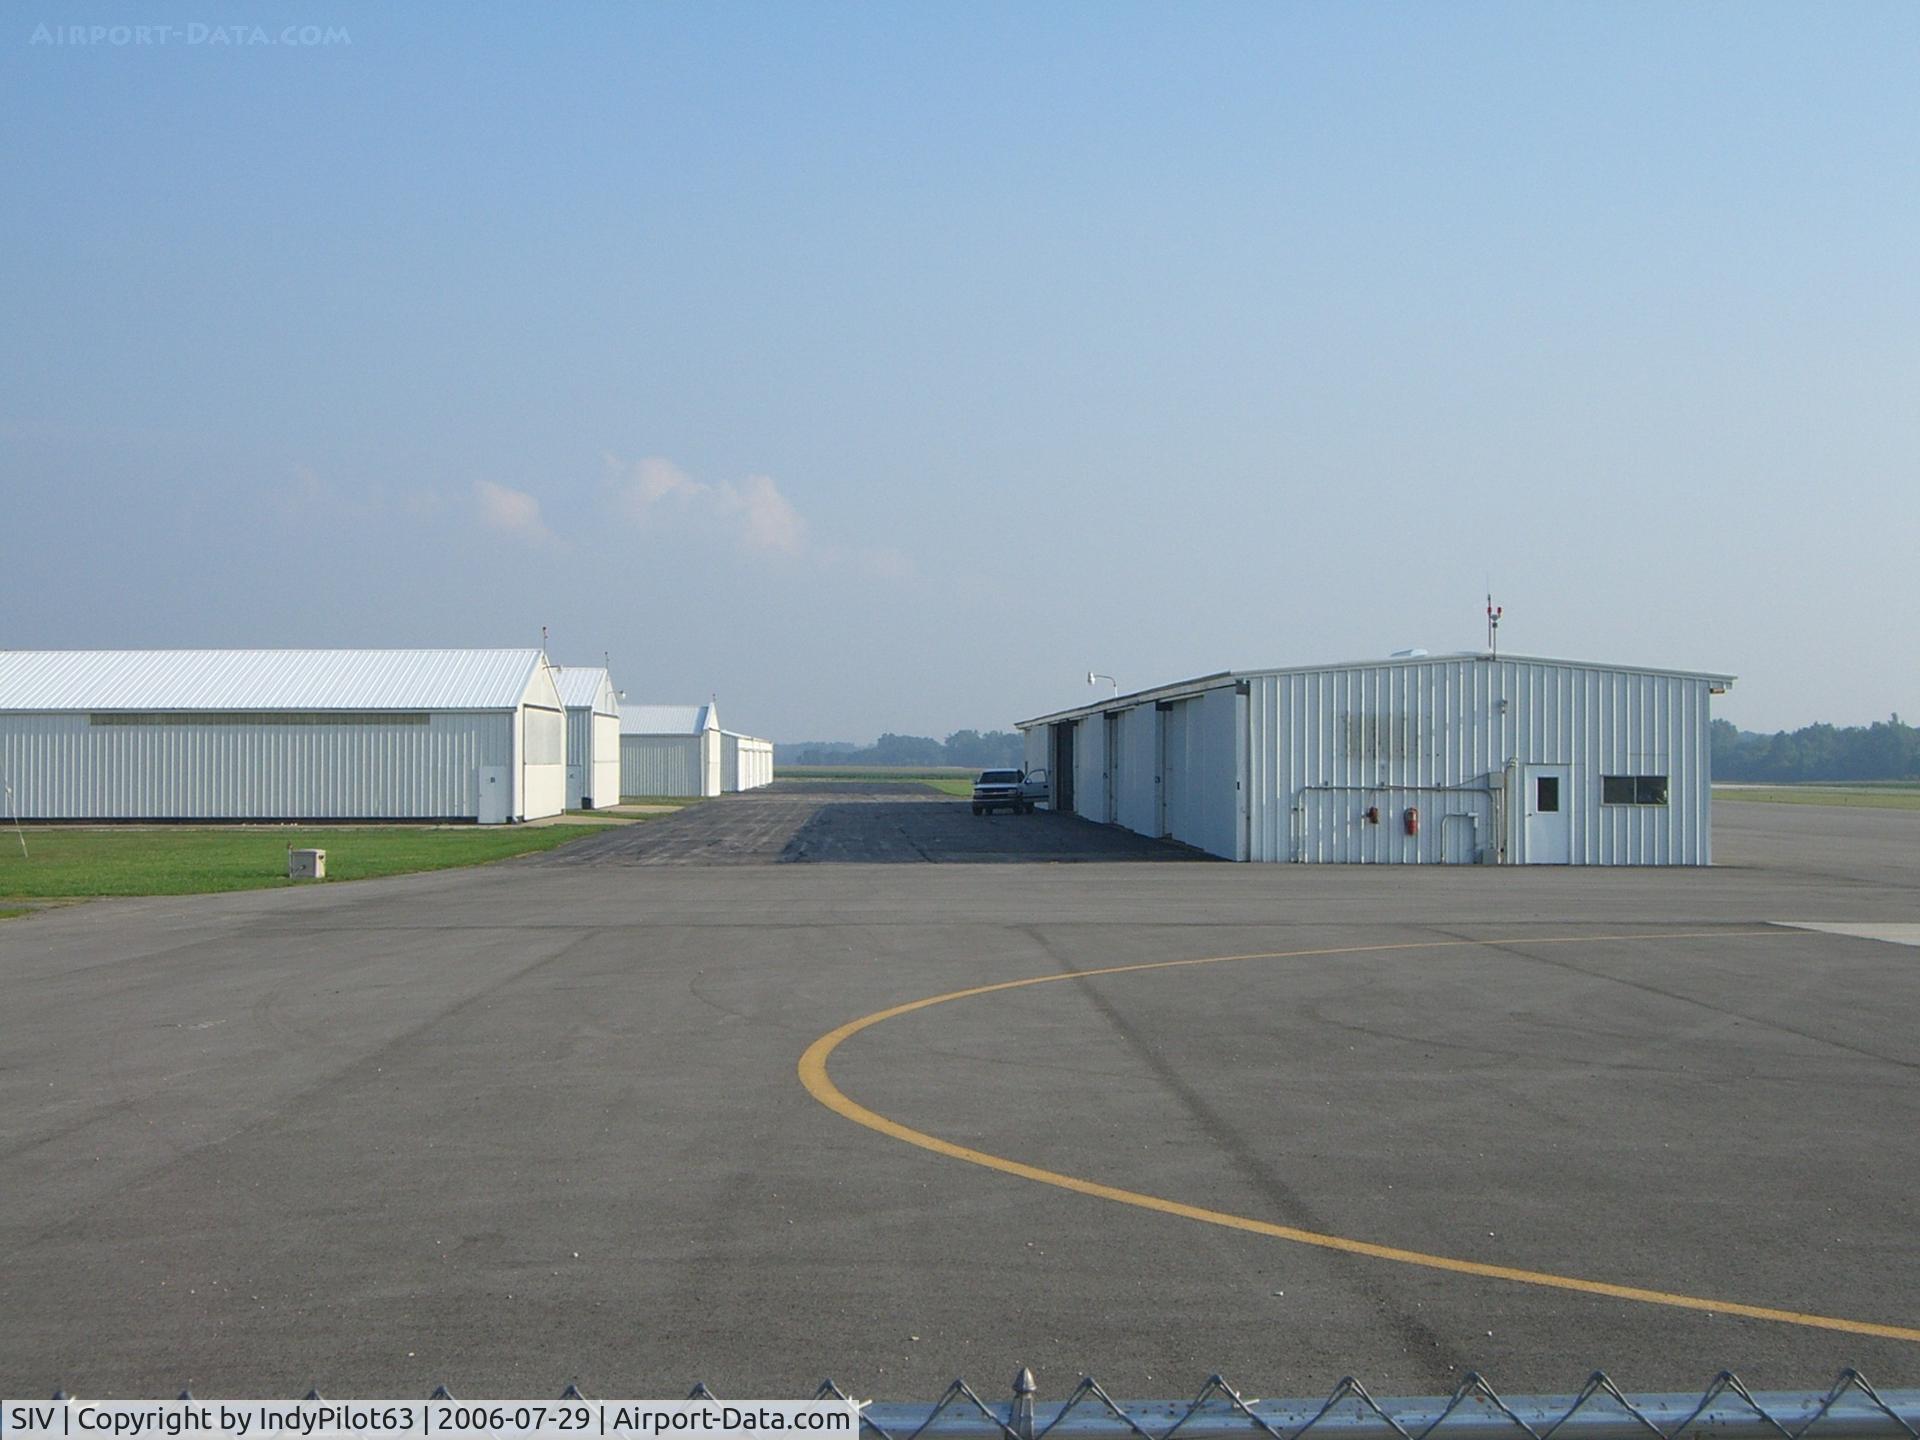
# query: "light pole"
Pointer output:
{"type": "Point", "coordinates": [1094, 677]}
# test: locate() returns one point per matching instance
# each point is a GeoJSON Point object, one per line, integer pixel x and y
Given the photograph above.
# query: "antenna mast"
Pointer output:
{"type": "Point", "coordinates": [1494, 612]}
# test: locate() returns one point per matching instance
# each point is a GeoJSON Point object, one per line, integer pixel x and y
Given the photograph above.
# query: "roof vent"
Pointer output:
{"type": "Point", "coordinates": [1413, 654]}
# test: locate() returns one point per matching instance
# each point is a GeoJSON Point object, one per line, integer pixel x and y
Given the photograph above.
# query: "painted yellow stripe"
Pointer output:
{"type": "Point", "coordinates": [813, 1074]}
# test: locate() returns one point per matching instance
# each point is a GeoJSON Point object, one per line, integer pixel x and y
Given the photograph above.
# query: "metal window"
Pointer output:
{"type": "Point", "coordinates": [1633, 789]}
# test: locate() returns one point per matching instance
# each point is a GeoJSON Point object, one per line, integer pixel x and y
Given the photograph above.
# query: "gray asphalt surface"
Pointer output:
{"type": "Point", "coordinates": [539, 1122]}
{"type": "Point", "coordinates": [854, 822]}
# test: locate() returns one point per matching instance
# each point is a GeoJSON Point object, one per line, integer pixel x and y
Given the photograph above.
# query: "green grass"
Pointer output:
{"type": "Point", "coordinates": [7, 912]}
{"type": "Point", "coordinates": [1885, 795]}
{"type": "Point", "coordinates": [948, 779]}
{"type": "Point", "coordinates": [192, 861]}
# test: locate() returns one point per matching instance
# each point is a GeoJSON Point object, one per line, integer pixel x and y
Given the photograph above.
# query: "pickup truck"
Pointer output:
{"type": "Point", "coordinates": [1015, 790]}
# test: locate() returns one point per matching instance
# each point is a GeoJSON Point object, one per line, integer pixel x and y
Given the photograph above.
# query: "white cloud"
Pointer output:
{"type": "Point", "coordinates": [754, 512]}
{"type": "Point", "coordinates": [511, 512]}
{"type": "Point", "coordinates": [769, 521]}
{"type": "Point", "coordinates": [655, 480]}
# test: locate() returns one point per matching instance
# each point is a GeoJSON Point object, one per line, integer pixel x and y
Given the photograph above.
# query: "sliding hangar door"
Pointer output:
{"type": "Point", "coordinates": [1171, 768]}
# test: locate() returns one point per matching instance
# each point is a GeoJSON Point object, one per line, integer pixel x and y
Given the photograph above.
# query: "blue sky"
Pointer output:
{"type": "Point", "coordinates": [887, 368]}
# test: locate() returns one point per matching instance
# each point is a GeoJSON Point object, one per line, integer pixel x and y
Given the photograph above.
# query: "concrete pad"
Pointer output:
{"type": "Point", "coordinates": [1892, 933]}
{"type": "Point", "coordinates": [542, 1121]}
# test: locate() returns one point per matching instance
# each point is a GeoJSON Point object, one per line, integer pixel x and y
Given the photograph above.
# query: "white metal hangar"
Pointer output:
{"type": "Point", "coordinates": [746, 762]}
{"type": "Point", "coordinates": [593, 736]}
{"type": "Point", "coordinates": [670, 750]}
{"type": "Point", "coordinates": [1444, 759]}
{"type": "Point", "coordinates": [281, 735]}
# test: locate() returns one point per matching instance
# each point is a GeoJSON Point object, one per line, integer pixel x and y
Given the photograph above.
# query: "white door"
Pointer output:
{"type": "Point", "coordinates": [496, 795]}
{"type": "Point", "coordinates": [576, 787]}
{"type": "Point", "coordinates": [1549, 815]}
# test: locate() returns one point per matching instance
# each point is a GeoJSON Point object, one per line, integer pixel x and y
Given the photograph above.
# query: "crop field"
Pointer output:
{"type": "Point", "coordinates": [58, 862]}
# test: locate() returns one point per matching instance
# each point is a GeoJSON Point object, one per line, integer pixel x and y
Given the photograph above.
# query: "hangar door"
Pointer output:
{"type": "Point", "coordinates": [1199, 793]}
{"type": "Point", "coordinates": [1061, 766]}
{"type": "Point", "coordinates": [1170, 773]}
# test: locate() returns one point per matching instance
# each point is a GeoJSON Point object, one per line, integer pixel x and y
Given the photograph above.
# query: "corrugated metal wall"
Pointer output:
{"type": "Point", "coordinates": [1090, 768]}
{"type": "Point", "coordinates": [63, 768]}
{"type": "Point", "coordinates": [1290, 769]}
{"type": "Point", "coordinates": [1136, 789]}
{"type": "Point", "coordinates": [579, 755]}
{"type": "Point", "coordinates": [746, 763]}
{"type": "Point", "coordinates": [1038, 740]}
{"type": "Point", "coordinates": [755, 764]}
{"type": "Point", "coordinates": [661, 765]}
{"type": "Point", "coordinates": [1453, 737]}
{"type": "Point", "coordinates": [593, 751]}
{"type": "Point", "coordinates": [1201, 758]}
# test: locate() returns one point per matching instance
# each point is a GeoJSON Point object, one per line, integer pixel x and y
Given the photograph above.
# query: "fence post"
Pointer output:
{"type": "Point", "coordinates": [1021, 1419]}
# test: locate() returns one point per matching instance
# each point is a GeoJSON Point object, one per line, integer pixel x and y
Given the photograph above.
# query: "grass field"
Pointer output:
{"type": "Point", "coordinates": [63, 864]}
{"type": "Point", "coordinates": [1880, 795]}
{"type": "Point", "coordinates": [948, 779]}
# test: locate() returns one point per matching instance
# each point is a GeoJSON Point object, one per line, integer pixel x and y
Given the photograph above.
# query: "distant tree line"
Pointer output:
{"type": "Point", "coordinates": [1885, 750]}
{"type": "Point", "coordinates": [972, 749]}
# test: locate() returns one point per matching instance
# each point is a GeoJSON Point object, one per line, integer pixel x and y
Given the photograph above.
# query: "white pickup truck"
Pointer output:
{"type": "Point", "coordinates": [1015, 790]}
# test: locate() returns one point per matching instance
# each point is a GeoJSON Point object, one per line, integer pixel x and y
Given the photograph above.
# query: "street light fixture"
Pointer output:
{"type": "Point", "coordinates": [1094, 677]}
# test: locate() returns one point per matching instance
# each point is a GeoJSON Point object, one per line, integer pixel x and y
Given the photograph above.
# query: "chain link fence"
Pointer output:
{"type": "Point", "coordinates": [1850, 1409]}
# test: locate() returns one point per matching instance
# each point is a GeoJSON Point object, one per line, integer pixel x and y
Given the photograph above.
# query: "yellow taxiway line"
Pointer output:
{"type": "Point", "coordinates": [813, 1075]}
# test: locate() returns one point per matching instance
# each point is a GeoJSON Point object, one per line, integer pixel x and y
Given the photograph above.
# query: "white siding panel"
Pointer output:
{"type": "Point", "coordinates": [579, 755]}
{"type": "Point", "coordinates": [661, 765]}
{"type": "Point", "coordinates": [746, 763]}
{"type": "Point", "coordinates": [1199, 756]}
{"type": "Point", "coordinates": [540, 786]}
{"type": "Point", "coordinates": [1170, 765]}
{"type": "Point", "coordinates": [1090, 769]}
{"type": "Point", "coordinates": [1210, 819]}
{"type": "Point", "coordinates": [1292, 770]}
{"type": "Point", "coordinates": [1136, 789]}
{"type": "Point", "coordinates": [603, 774]}
{"type": "Point", "coordinates": [1327, 745]}
{"type": "Point", "coordinates": [63, 768]}
{"type": "Point", "coordinates": [593, 745]}
{"type": "Point", "coordinates": [1037, 741]}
